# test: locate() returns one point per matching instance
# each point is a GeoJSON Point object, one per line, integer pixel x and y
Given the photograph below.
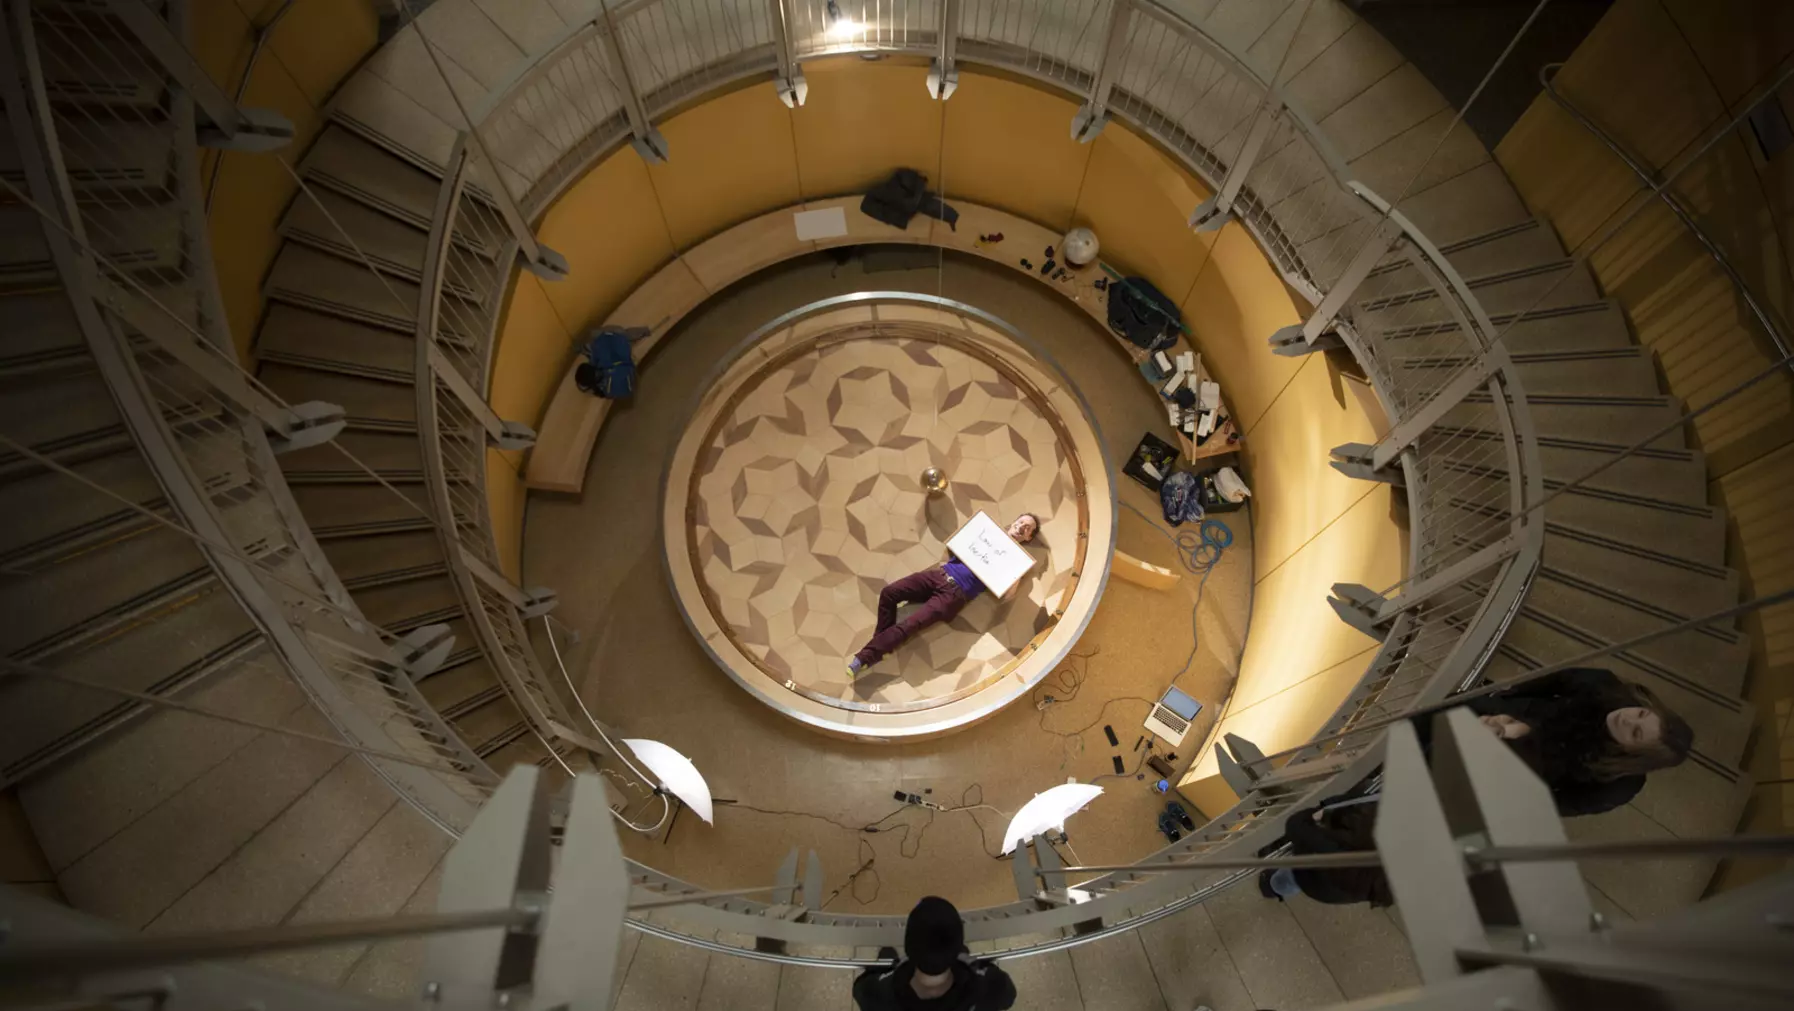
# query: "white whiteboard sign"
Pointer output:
{"type": "Point", "coordinates": [991, 554]}
{"type": "Point", "coordinates": [828, 223]}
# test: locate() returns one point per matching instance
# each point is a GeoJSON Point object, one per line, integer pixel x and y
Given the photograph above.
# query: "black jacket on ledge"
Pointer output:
{"type": "Point", "coordinates": [1567, 712]}
{"type": "Point", "coordinates": [977, 986]}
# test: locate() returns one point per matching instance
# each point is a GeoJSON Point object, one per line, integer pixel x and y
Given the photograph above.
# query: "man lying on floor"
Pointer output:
{"type": "Point", "coordinates": [939, 592]}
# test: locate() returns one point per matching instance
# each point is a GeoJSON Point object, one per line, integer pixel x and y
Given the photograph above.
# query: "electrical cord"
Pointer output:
{"type": "Point", "coordinates": [1200, 551]}
{"type": "Point", "coordinates": [909, 845]}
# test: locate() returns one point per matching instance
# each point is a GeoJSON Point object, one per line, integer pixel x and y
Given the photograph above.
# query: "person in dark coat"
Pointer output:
{"type": "Point", "coordinates": [1590, 736]}
{"type": "Point", "coordinates": [1337, 825]}
{"type": "Point", "coordinates": [936, 974]}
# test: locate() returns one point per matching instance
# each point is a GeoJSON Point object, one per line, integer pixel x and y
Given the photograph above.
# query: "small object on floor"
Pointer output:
{"type": "Point", "coordinates": [1109, 732]}
{"type": "Point", "coordinates": [1264, 885]}
{"type": "Point", "coordinates": [1162, 786]}
{"type": "Point", "coordinates": [1102, 284]}
{"type": "Point", "coordinates": [1047, 267]}
{"type": "Point", "coordinates": [1049, 252]}
{"type": "Point", "coordinates": [1176, 810]}
{"type": "Point", "coordinates": [1159, 454]}
{"type": "Point", "coordinates": [1139, 775]}
{"type": "Point", "coordinates": [1168, 825]}
{"type": "Point", "coordinates": [1120, 769]}
{"type": "Point", "coordinates": [1137, 741]}
{"type": "Point", "coordinates": [854, 667]}
{"type": "Point", "coordinates": [990, 240]}
{"type": "Point", "coordinates": [1160, 764]}
{"type": "Point", "coordinates": [1026, 265]}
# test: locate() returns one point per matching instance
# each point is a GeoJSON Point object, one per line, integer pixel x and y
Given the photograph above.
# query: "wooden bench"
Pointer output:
{"type": "Point", "coordinates": [570, 426]}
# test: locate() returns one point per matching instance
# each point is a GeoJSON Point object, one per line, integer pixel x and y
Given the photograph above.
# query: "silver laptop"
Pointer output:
{"type": "Point", "coordinates": [1170, 718]}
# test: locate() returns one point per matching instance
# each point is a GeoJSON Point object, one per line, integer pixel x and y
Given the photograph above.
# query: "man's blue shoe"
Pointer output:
{"type": "Point", "coordinates": [854, 667]}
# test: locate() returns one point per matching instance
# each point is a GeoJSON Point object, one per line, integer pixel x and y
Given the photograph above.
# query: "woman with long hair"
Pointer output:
{"type": "Point", "coordinates": [1590, 736]}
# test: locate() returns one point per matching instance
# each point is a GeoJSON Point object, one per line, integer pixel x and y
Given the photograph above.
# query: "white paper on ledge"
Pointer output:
{"type": "Point", "coordinates": [828, 223]}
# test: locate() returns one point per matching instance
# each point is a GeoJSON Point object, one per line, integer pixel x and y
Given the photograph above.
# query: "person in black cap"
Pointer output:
{"type": "Point", "coordinates": [937, 975]}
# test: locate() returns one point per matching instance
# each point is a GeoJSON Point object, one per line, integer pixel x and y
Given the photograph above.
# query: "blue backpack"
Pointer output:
{"type": "Point", "coordinates": [609, 371]}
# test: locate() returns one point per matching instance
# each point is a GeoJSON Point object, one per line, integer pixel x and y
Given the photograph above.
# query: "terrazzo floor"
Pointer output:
{"type": "Point", "coordinates": [781, 785]}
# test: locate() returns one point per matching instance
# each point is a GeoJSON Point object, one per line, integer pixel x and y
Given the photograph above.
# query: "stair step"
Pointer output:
{"type": "Point", "coordinates": [401, 607]}
{"type": "Point", "coordinates": [1517, 247]}
{"type": "Point", "coordinates": [60, 414]}
{"type": "Point", "coordinates": [385, 558]}
{"type": "Point", "coordinates": [42, 335]}
{"type": "Point", "coordinates": [96, 69]}
{"type": "Point", "coordinates": [1465, 206]}
{"type": "Point", "coordinates": [345, 161]}
{"type": "Point", "coordinates": [371, 404]}
{"type": "Point", "coordinates": [1682, 533]}
{"type": "Point", "coordinates": [516, 747]}
{"type": "Point", "coordinates": [1709, 657]}
{"type": "Point", "coordinates": [92, 795]}
{"type": "Point", "coordinates": [1614, 372]}
{"type": "Point", "coordinates": [1673, 477]}
{"type": "Point", "coordinates": [97, 589]}
{"type": "Point", "coordinates": [139, 872]}
{"type": "Point", "coordinates": [451, 687]}
{"type": "Point", "coordinates": [395, 456]}
{"type": "Point", "coordinates": [124, 155]}
{"type": "Point", "coordinates": [390, 243]}
{"type": "Point", "coordinates": [1652, 888]}
{"type": "Point", "coordinates": [142, 239]}
{"type": "Point", "coordinates": [294, 336]}
{"type": "Point", "coordinates": [348, 510]}
{"type": "Point", "coordinates": [1384, 303]}
{"type": "Point", "coordinates": [1592, 326]}
{"type": "Point", "coordinates": [43, 721]}
{"type": "Point", "coordinates": [1663, 581]}
{"type": "Point", "coordinates": [315, 280]}
{"type": "Point", "coordinates": [1616, 421]}
{"type": "Point", "coordinates": [51, 515]}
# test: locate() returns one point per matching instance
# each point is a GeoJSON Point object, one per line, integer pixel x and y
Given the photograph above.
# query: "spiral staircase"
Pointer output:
{"type": "Point", "coordinates": [121, 476]}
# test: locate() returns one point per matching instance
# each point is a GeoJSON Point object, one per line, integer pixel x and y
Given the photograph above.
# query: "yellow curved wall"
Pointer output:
{"type": "Point", "coordinates": [314, 48]}
{"type": "Point", "coordinates": [1006, 143]}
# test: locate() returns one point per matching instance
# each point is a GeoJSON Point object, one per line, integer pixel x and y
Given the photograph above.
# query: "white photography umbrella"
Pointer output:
{"type": "Point", "coordinates": [676, 774]}
{"type": "Point", "coordinates": [1048, 811]}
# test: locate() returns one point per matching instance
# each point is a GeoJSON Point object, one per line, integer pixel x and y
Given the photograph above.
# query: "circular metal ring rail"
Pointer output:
{"type": "Point", "coordinates": [1303, 209]}
{"type": "Point", "coordinates": [1040, 625]}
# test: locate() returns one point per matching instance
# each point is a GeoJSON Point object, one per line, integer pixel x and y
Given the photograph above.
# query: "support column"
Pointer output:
{"type": "Point", "coordinates": [504, 434]}
{"type": "Point", "coordinates": [1302, 338]}
{"type": "Point", "coordinates": [532, 603]}
{"type": "Point", "coordinates": [1093, 115]}
{"type": "Point", "coordinates": [943, 73]}
{"type": "Point", "coordinates": [789, 82]}
{"type": "Point", "coordinates": [1217, 210]}
{"type": "Point", "coordinates": [228, 125]}
{"type": "Point", "coordinates": [646, 140]}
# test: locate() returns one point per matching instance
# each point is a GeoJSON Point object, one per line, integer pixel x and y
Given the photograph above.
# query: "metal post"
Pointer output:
{"type": "Point", "coordinates": [789, 82]}
{"type": "Point", "coordinates": [1303, 336]}
{"type": "Point", "coordinates": [646, 140]}
{"type": "Point", "coordinates": [538, 259]}
{"type": "Point", "coordinates": [231, 126]}
{"type": "Point", "coordinates": [504, 434]}
{"type": "Point", "coordinates": [534, 602]}
{"type": "Point", "coordinates": [1093, 115]}
{"type": "Point", "coordinates": [1217, 210]}
{"type": "Point", "coordinates": [943, 73]}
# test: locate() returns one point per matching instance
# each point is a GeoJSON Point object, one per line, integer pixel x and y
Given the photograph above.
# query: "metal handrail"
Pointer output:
{"type": "Point", "coordinates": [1650, 177]}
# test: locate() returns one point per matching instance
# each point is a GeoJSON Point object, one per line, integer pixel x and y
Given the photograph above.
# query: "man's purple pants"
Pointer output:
{"type": "Point", "coordinates": [937, 598]}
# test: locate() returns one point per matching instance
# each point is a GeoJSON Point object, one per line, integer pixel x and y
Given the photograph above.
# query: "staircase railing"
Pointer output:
{"type": "Point", "coordinates": [466, 264]}
{"type": "Point", "coordinates": [207, 430]}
